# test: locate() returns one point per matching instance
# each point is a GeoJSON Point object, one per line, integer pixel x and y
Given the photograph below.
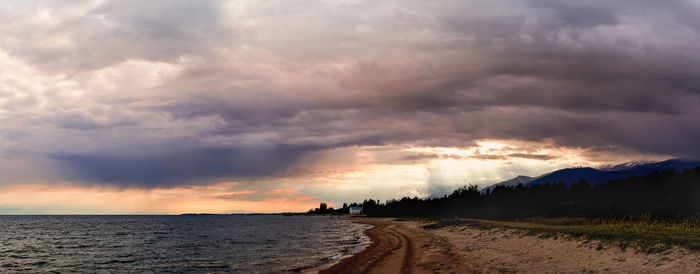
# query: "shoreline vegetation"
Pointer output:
{"type": "Point", "coordinates": [645, 235]}
{"type": "Point", "coordinates": [651, 212]}
{"type": "Point", "coordinates": [669, 195]}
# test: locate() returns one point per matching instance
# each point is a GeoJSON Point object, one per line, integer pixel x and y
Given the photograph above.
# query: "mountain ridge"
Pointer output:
{"type": "Point", "coordinates": [520, 179]}
{"type": "Point", "coordinates": [600, 175]}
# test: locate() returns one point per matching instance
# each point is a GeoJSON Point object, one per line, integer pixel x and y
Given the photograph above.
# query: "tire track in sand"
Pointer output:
{"type": "Point", "coordinates": [391, 251]}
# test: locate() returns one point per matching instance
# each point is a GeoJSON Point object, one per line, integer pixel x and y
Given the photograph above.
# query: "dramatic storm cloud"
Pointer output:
{"type": "Point", "coordinates": [317, 96]}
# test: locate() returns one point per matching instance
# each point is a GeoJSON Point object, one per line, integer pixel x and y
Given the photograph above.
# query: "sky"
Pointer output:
{"type": "Point", "coordinates": [168, 107]}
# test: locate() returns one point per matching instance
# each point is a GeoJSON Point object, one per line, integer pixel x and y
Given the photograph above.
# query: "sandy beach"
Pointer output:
{"type": "Point", "coordinates": [399, 247]}
{"type": "Point", "coordinates": [405, 247]}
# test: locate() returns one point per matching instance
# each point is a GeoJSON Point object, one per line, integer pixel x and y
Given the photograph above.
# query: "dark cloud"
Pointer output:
{"type": "Point", "coordinates": [423, 156]}
{"type": "Point", "coordinates": [261, 193]}
{"type": "Point", "coordinates": [418, 157]}
{"type": "Point", "coordinates": [532, 156]}
{"type": "Point", "coordinates": [268, 82]}
{"type": "Point", "coordinates": [89, 121]}
{"type": "Point", "coordinates": [575, 14]}
{"type": "Point", "coordinates": [193, 166]}
{"type": "Point", "coordinates": [489, 157]}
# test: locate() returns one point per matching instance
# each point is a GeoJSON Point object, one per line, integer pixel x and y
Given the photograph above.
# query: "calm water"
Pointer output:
{"type": "Point", "coordinates": [237, 243]}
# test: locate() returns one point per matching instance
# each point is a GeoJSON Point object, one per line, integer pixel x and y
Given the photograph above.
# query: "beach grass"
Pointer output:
{"type": "Point", "coordinates": [642, 233]}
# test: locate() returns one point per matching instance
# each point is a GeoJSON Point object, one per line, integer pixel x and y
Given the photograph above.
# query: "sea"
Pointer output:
{"type": "Point", "coordinates": [184, 243]}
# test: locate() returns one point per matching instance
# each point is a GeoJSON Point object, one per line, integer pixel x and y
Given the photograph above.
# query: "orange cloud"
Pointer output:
{"type": "Point", "coordinates": [282, 191]}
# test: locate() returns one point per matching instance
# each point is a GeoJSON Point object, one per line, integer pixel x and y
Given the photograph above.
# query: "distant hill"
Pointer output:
{"type": "Point", "coordinates": [670, 195]}
{"type": "Point", "coordinates": [569, 176]}
{"type": "Point", "coordinates": [594, 176]}
{"type": "Point", "coordinates": [623, 166]}
{"type": "Point", "coordinates": [601, 175]}
{"type": "Point", "coordinates": [520, 179]}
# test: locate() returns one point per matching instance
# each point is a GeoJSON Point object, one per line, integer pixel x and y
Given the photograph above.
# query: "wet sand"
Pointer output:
{"type": "Point", "coordinates": [405, 247]}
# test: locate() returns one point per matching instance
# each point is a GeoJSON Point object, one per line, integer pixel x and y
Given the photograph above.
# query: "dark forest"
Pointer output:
{"type": "Point", "coordinates": [664, 194]}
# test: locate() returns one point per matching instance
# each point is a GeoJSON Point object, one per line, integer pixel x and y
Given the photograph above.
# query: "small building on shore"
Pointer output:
{"type": "Point", "coordinates": [354, 210]}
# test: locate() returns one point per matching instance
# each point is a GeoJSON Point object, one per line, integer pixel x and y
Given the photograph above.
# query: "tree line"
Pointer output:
{"type": "Point", "coordinates": [324, 209]}
{"type": "Point", "coordinates": [661, 194]}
